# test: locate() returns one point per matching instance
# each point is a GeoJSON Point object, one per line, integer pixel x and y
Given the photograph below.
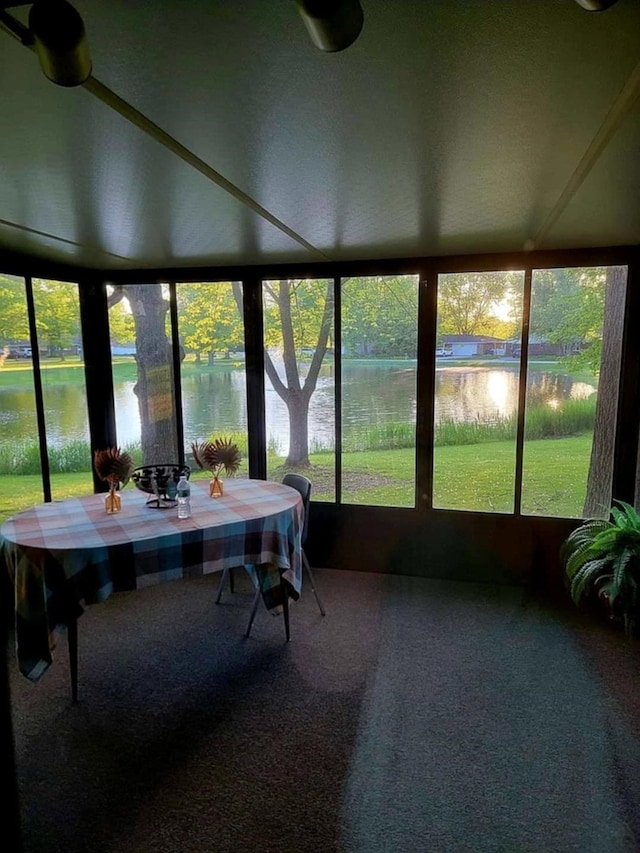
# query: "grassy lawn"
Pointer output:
{"type": "Point", "coordinates": [476, 477]}
{"type": "Point", "coordinates": [471, 477]}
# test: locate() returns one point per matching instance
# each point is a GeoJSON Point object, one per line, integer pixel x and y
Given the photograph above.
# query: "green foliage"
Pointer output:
{"type": "Point", "coordinates": [294, 313]}
{"type": "Point", "coordinates": [468, 302]}
{"type": "Point", "coordinates": [57, 313]}
{"type": "Point", "coordinates": [14, 324]}
{"type": "Point", "coordinates": [210, 317]}
{"type": "Point", "coordinates": [602, 557]}
{"type": "Point", "coordinates": [379, 315]}
{"type": "Point", "coordinates": [567, 308]}
{"type": "Point", "coordinates": [122, 329]}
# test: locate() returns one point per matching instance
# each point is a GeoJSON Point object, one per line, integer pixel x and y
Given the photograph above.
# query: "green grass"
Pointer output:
{"type": "Point", "coordinates": [470, 477]}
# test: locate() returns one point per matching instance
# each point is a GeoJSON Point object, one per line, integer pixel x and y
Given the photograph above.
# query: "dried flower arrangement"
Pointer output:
{"type": "Point", "coordinates": [216, 455]}
{"type": "Point", "coordinates": [114, 466]}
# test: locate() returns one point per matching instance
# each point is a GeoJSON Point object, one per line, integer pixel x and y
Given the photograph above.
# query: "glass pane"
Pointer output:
{"type": "Point", "coordinates": [477, 380]}
{"type": "Point", "coordinates": [575, 346]}
{"type": "Point", "coordinates": [57, 309]}
{"type": "Point", "coordinates": [299, 384]}
{"type": "Point", "coordinates": [20, 471]}
{"type": "Point", "coordinates": [141, 354]}
{"type": "Point", "coordinates": [379, 352]}
{"type": "Point", "coordinates": [214, 404]}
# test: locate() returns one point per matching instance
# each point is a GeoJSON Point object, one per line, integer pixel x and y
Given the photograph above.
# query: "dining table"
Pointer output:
{"type": "Point", "coordinates": [64, 555]}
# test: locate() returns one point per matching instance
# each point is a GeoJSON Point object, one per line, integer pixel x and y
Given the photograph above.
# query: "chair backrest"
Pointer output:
{"type": "Point", "coordinates": [303, 485]}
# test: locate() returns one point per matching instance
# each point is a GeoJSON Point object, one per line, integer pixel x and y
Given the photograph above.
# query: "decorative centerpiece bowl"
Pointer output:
{"type": "Point", "coordinates": [160, 482]}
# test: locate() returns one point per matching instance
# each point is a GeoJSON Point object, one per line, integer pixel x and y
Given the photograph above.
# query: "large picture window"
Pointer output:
{"type": "Point", "coordinates": [142, 362]}
{"type": "Point", "coordinates": [574, 356]}
{"type": "Point", "coordinates": [379, 406]}
{"type": "Point", "coordinates": [20, 468]}
{"type": "Point", "coordinates": [299, 381]}
{"type": "Point", "coordinates": [476, 390]}
{"type": "Point", "coordinates": [515, 430]}
{"type": "Point", "coordinates": [57, 310]}
{"type": "Point", "coordinates": [212, 365]}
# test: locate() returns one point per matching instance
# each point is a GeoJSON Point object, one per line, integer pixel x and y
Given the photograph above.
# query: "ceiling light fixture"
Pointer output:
{"type": "Point", "coordinates": [332, 24]}
{"type": "Point", "coordinates": [596, 5]}
{"type": "Point", "coordinates": [56, 35]}
{"type": "Point", "coordinates": [60, 42]}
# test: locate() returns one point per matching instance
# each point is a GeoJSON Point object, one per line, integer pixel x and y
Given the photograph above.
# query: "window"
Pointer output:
{"type": "Point", "coordinates": [575, 346]}
{"type": "Point", "coordinates": [379, 363]}
{"type": "Point", "coordinates": [300, 383]}
{"type": "Point", "coordinates": [57, 311]}
{"type": "Point", "coordinates": [20, 469]}
{"type": "Point", "coordinates": [476, 390]}
{"type": "Point", "coordinates": [142, 363]}
{"type": "Point", "coordinates": [210, 325]}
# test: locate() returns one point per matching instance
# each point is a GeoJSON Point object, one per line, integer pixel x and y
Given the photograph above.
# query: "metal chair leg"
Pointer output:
{"type": "Point", "coordinates": [285, 607]}
{"type": "Point", "coordinates": [72, 641]}
{"type": "Point", "coordinates": [313, 585]}
{"type": "Point", "coordinates": [225, 575]}
{"type": "Point", "coordinates": [254, 610]}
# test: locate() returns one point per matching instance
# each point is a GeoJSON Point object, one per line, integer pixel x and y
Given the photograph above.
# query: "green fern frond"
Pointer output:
{"type": "Point", "coordinates": [585, 579]}
{"type": "Point", "coordinates": [619, 567]}
{"type": "Point", "coordinates": [578, 558]}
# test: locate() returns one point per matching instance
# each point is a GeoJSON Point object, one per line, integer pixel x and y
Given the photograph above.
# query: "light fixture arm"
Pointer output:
{"type": "Point", "coordinates": [16, 29]}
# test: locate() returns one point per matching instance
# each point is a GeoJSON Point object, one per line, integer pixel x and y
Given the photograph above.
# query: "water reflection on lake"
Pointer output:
{"type": "Point", "coordinates": [373, 394]}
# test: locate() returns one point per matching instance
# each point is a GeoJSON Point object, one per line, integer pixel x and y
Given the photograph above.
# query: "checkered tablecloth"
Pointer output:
{"type": "Point", "coordinates": [64, 554]}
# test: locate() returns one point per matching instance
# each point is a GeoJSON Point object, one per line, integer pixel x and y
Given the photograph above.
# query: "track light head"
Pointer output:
{"type": "Point", "coordinates": [60, 42]}
{"type": "Point", "coordinates": [596, 5]}
{"type": "Point", "coordinates": [332, 24]}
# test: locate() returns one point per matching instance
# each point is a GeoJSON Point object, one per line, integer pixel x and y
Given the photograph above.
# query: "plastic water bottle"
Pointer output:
{"type": "Point", "coordinates": [184, 498]}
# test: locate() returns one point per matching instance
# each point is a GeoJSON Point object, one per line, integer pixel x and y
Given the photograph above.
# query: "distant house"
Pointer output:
{"type": "Point", "coordinates": [470, 346]}
{"type": "Point", "coordinates": [538, 345]}
{"type": "Point", "coordinates": [123, 349]}
{"type": "Point", "coordinates": [16, 349]}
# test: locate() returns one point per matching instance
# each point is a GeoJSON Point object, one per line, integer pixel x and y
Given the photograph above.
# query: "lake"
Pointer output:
{"type": "Point", "coordinates": [374, 393]}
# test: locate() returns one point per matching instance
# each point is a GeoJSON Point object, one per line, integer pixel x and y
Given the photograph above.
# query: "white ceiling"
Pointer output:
{"type": "Point", "coordinates": [450, 126]}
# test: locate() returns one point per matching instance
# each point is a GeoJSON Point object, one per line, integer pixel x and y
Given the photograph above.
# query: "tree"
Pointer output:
{"type": "Point", "coordinates": [298, 314]}
{"type": "Point", "coordinates": [567, 308]}
{"type": "Point", "coordinates": [14, 323]}
{"type": "Point", "coordinates": [582, 309]}
{"type": "Point", "coordinates": [210, 317]}
{"type": "Point", "coordinates": [379, 315]}
{"type": "Point", "coordinates": [122, 327]}
{"type": "Point", "coordinates": [57, 314]}
{"type": "Point", "coordinates": [154, 387]}
{"type": "Point", "coordinates": [468, 302]}
{"type": "Point", "coordinates": [600, 477]}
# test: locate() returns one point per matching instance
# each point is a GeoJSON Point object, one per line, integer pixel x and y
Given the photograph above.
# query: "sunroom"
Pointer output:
{"type": "Point", "coordinates": [405, 268]}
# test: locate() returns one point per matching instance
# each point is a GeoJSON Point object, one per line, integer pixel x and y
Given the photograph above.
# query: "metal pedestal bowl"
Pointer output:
{"type": "Point", "coordinates": [160, 482]}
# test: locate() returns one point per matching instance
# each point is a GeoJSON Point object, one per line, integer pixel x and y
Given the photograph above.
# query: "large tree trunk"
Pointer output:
{"type": "Point", "coordinates": [599, 484]}
{"type": "Point", "coordinates": [298, 407]}
{"type": "Point", "coordinates": [154, 388]}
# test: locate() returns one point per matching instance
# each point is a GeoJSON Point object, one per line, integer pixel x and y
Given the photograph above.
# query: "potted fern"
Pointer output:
{"type": "Point", "coordinates": [601, 559]}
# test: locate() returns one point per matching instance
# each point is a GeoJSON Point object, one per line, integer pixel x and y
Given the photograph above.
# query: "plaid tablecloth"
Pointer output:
{"type": "Point", "coordinates": [63, 554]}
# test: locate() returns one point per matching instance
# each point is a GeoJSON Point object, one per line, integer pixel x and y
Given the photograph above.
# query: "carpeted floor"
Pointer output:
{"type": "Point", "coordinates": [418, 715]}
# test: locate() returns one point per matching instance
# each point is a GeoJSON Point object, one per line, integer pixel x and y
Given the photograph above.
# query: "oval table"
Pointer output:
{"type": "Point", "coordinates": [64, 554]}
